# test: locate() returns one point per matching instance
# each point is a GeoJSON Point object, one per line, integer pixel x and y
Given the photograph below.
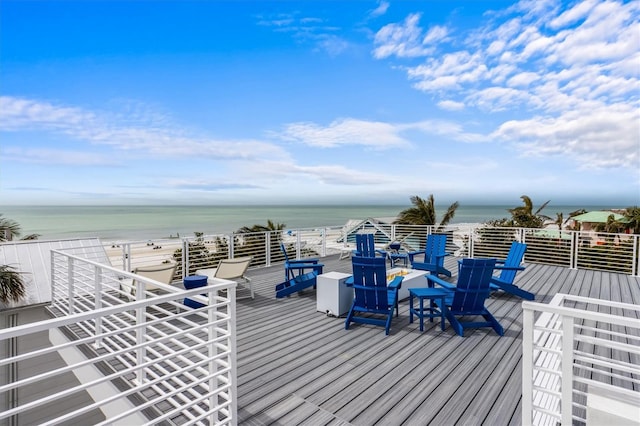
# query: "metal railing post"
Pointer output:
{"type": "Point", "coordinates": [97, 288]}
{"type": "Point", "coordinates": [214, 382]}
{"type": "Point", "coordinates": [140, 333]}
{"type": "Point", "coordinates": [53, 274]}
{"type": "Point", "coordinates": [126, 256]}
{"type": "Point", "coordinates": [233, 375]}
{"type": "Point", "coordinates": [527, 365]}
{"type": "Point", "coordinates": [566, 404]}
{"type": "Point", "coordinates": [573, 252]}
{"type": "Point", "coordinates": [185, 257]}
{"type": "Point", "coordinates": [70, 285]}
{"type": "Point", "coordinates": [635, 265]}
{"type": "Point", "coordinates": [267, 249]}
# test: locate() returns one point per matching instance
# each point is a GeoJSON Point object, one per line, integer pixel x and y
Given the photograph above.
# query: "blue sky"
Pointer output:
{"type": "Point", "coordinates": [350, 102]}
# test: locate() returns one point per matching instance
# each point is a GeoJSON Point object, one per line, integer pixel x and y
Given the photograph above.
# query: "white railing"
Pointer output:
{"type": "Point", "coordinates": [142, 359]}
{"type": "Point", "coordinates": [581, 362]}
{"type": "Point", "coordinates": [571, 249]}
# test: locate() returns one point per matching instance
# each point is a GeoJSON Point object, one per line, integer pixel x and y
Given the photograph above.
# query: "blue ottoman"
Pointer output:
{"type": "Point", "coordinates": [194, 281]}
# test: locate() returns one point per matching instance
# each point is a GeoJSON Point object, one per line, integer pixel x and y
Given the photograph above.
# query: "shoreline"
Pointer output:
{"type": "Point", "coordinates": [155, 251]}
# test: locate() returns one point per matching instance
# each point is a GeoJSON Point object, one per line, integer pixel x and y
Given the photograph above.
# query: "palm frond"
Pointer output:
{"type": "Point", "coordinates": [11, 285]}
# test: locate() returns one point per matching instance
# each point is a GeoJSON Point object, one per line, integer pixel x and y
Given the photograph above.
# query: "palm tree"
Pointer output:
{"type": "Point", "coordinates": [559, 220]}
{"type": "Point", "coordinates": [271, 226]}
{"type": "Point", "coordinates": [612, 225]}
{"type": "Point", "coordinates": [11, 283]}
{"type": "Point", "coordinates": [10, 229]}
{"type": "Point", "coordinates": [257, 236]}
{"type": "Point", "coordinates": [423, 212]}
{"type": "Point", "coordinates": [525, 217]}
{"type": "Point", "coordinates": [576, 225]}
{"type": "Point", "coordinates": [633, 216]}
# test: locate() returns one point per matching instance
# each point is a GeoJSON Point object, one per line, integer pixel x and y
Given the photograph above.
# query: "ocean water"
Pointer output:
{"type": "Point", "coordinates": [153, 222]}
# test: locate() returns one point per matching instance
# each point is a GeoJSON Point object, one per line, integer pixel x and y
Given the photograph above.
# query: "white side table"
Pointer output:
{"type": "Point", "coordinates": [332, 294]}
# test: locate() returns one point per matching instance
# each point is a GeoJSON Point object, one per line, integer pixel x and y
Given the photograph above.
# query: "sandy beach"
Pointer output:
{"type": "Point", "coordinates": [155, 252]}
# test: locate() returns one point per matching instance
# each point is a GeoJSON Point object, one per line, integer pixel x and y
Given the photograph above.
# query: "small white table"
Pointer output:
{"type": "Point", "coordinates": [333, 297]}
{"type": "Point", "coordinates": [412, 278]}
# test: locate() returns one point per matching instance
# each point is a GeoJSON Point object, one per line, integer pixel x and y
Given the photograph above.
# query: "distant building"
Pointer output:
{"type": "Point", "coordinates": [590, 219]}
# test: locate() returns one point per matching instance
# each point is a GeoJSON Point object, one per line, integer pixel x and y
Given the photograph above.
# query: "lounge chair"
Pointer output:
{"type": "Point", "coordinates": [373, 297]}
{"type": "Point", "coordinates": [434, 253]}
{"type": "Point", "coordinates": [231, 269]}
{"type": "Point", "coordinates": [162, 273]}
{"type": "Point", "coordinates": [468, 296]}
{"type": "Point", "coordinates": [508, 270]}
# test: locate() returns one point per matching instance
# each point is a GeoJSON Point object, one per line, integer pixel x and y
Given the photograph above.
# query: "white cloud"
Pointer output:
{"type": "Point", "coordinates": [451, 105]}
{"type": "Point", "coordinates": [574, 14]}
{"type": "Point", "coordinates": [450, 72]}
{"type": "Point", "coordinates": [372, 134]}
{"type": "Point", "coordinates": [58, 157]}
{"type": "Point", "coordinates": [332, 44]}
{"type": "Point", "coordinates": [522, 79]}
{"type": "Point", "coordinates": [435, 34]}
{"type": "Point", "coordinates": [610, 32]}
{"type": "Point", "coordinates": [536, 45]}
{"type": "Point", "coordinates": [215, 185]}
{"type": "Point", "coordinates": [448, 129]}
{"type": "Point", "coordinates": [19, 114]}
{"type": "Point", "coordinates": [339, 175]}
{"type": "Point", "coordinates": [496, 47]}
{"type": "Point", "coordinates": [382, 8]}
{"type": "Point", "coordinates": [501, 98]}
{"type": "Point", "coordinates": [308, 29]}
{"type": "Point", "coordinates": [598, 137]}
{"type": "Point", "coordinates": [377, 135]}
{"type": "Point", "coordinates": [437, 83]}
{"type": "Point", "coordinates": [401, 40]}
{"type": "Point", "coordinates": [566, 67]}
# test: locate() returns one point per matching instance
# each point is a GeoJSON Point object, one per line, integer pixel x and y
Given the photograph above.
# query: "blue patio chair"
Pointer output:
{"type": "Point", "coordinates": [300, 265]}
{"type": "Point", "coordinates": [374, 300]}
{"type": "Point", "coordinates": [434, 253]}
{"type": "Point", "coordinates": [468, 295]}
{"type": "Point", "coordinates": [366, 247]}
{"type": "Point", "coordinates": [508, 270]}
{"type": "Point", "coordinates": [296, 279]}
{"type": "Point", "coordinates": [396, 254]}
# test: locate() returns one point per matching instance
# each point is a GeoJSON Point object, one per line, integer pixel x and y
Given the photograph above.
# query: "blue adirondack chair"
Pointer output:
{"type": "Point", "coordinates": [508, 270]}
{"type": "Point", "coordinates": [365, 246]}
{"type": "Point", "coordinates": [434, 253]}
{"type": "Point", "coordinates": [468, 295]}
{"type": "Point", "coordinates": [300, 265]}
{"type": "Point", "coordinates": [374, 300]}
{"type": "Point", "coordinates": [296, 279]}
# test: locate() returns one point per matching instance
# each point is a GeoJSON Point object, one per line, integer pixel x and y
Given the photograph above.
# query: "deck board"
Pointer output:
{"type": "Point", "coordinates": [298, 366]}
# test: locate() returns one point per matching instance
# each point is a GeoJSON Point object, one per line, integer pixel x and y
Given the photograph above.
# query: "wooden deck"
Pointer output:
{"type": "Point", "coordinates": [298, 366]}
